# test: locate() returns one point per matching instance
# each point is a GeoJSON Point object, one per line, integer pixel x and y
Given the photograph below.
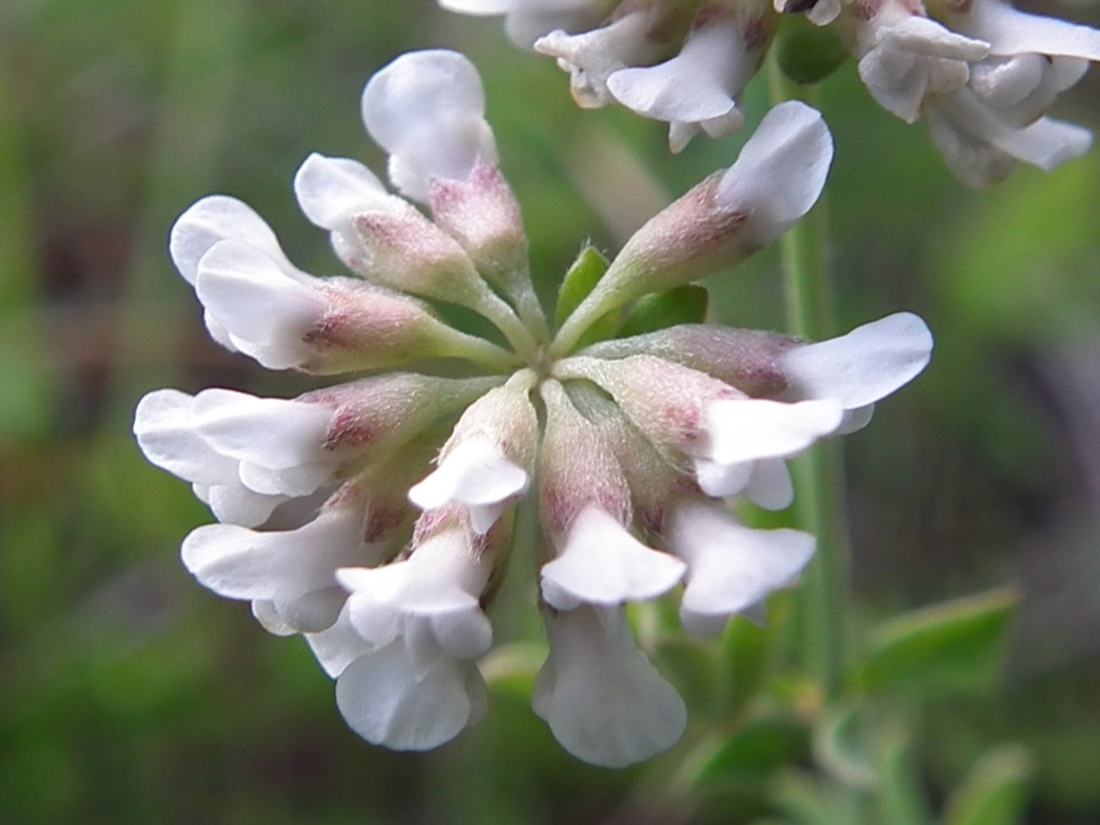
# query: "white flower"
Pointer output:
{"type": "Point", "coordinates": [859, 368]}
{"type": "Point", "coordinates": [489, 458]}
{"type": "Point", "coordinates": [427, 109]}
{"type": "Point", "coordinates": [697, 89]}
{"type": "Point", "coordinates": [592, 57]}
{"type": "Point", "coordinates": [391, 697]}
{"type": "Point", "coordinates": [292, 573]}
{"type": "Point", "coordinates": [475, 474]}
{"type": "Point", "coordinates": [220, 218]}
{"type": "Point", "coordinates": [906, 57]}
{"type": "Point", "coordinates": [779, 174]}
{"type": "Point", "coordinates": [434, 591]}
{"type": "Point", "coordinates": [198, 439]}
{"type": "Point", "coordinates": [603, 700]}
{"type": "Point", "coordinates": [600, 563]}
{"type": "Point", "coordinates": [731, 568]}
{"type": "Point", "coordinates": [527, 20]}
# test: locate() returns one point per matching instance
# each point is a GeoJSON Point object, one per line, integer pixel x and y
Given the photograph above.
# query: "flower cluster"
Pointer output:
{"type": "Point", "coordinates": [375, 517]}
{"type": "Point", "coordinates": [981, 74]}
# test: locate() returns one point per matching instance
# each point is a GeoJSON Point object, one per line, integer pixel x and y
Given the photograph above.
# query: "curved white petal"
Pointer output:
{"type": "Point", "coordinates": [770, 485]}
{"type": "Point", "coordinates": [337, 646]}
{"type": "Point", "coordinates": [427, 110]}
{"type": "Point", "coordinates": [219, 218]}
{"type": "Point", "coordinates": [699, 83]}
{"type": "Point", "coordinates": [730, 567]}
{"type": "Point", "coordinates": [721, 480]}
{"type": "Point", "coordinates": [743, 429]}
{"type": "Point", "coordinates": [604, 701]}
{"type": "Point", "coordinates": [1010, 31]}
{"type": "Point", "coordinates": [862, 367]}
{"type": "Point", "coordinates": [276, 433]}
{"type": "Point", "coordinates": [166, 432]}
{"type": "Point", "coordinates": [332, 191]}
{"type": "Point", "coordinates": [601, 563]}
{"type": "Point", "coordinates": [387, 702]}
{"type": "Point", "coordinates": [475, 474]}
{"type": "Point", "coordinates": [781, 171]}
{"type": "Point", "coordinates": [265, 311]}
{"type": "Point", "coordinates": [437, 587]}
{"type": "Point", "coordinates": [277, 565]}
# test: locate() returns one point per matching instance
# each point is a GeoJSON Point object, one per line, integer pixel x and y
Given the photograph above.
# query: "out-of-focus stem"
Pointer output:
{"type": "Point", "coordinates": [825, 596]}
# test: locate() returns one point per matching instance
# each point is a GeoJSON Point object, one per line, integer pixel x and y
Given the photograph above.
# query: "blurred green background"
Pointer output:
{"type": "Point", "coordinates": [128, 694]}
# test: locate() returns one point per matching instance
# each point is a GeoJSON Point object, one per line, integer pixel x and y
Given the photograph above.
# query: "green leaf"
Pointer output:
{"type": "Point", "coordinates": [954, 646]}
{"type": "Point", "coordinates": [757, 750]}
{"type": "Point", "coordinates": [995, 791]}
{"type": "Point", "coordinates": [693, 667]}
{"type": "Point", "coordinates": [747, 651]}
{"type": "Point", "coordinates": [903, 798]}
{"type": "Point", "coordinates": [810, 800]}
{"type": "Point", "coordinates": [844, 745]}
{"type": "Point", "coordinates": [808, 53]}
{"type": "Point", "coordinates": [685, 304]}
{"type": "Point", "coordinates": [580, 280]}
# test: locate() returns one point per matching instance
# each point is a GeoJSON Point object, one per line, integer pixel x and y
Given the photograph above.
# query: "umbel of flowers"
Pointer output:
{"type": "Point", "coordinates": [375, 516]}
{"type": "Point", "coordinates": [980, 74]}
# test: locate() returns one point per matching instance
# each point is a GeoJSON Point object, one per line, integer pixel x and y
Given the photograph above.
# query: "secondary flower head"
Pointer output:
{"type": "Point", "coordinates": [981, 74]}
{"type": "Point", "coordinates": [376, 516]}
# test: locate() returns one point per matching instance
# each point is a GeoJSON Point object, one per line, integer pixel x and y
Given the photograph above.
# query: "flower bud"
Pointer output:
{"type": "Point", "coordinates": [481, 213]}
{"type": "Point", "coordinates": [776, 179]}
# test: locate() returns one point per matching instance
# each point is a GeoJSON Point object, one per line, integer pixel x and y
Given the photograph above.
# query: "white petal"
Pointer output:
{"type": "Point", "coordinates": [748, 428]}
{"type": "Point", "coordinates": [268, 616]}
{"type": "Point", "coordinates": [265, 311]}
{"type": "Point", "coordinates": [270, 432]}
{"type": "Point", "coordinates": [332, 191]}
{"type": "Point", "coordinates": [721, 480]}
{"type": "Point", "coordinates": [475, 474]}
{"type": "Point", "coordinates": [781, 171]}
{"type": "Point", "coordinates": [236, 504]}
{"type": "Point", "coordinates": [730, 567]}
{"type": "Point", "coordinates": [338, 646]}
{"type": "Point", "coordinates": [862, 367]}
{"type": "Point", "coordinates": [1011, 31]}
{"type": "Point", "coordinates": [601, 563]}
{"type": "Point", "coordinates": [311, 612]}
{"type": "Point", "coordinates": [604, 701]}
{"type": "Point", "coordinates": [593, 56]}
{"type": "Point", "coordinates": [427, 110]}
{"type": "Point", "coordinates": [214, 219]}
{"type": "Point", "coordinates": [897, 81]}
{"type": "Point", "coordinates": [277, 566]}
{"type": "Point", "coordinates": [437, 586]}
{"type": "Point", "coordinates": [770, 484]}
{"type": "Point", "coordinates": [478, 7]}
{"type": "Point", "coordinates": [383, 701]}
{"type": "Point", "coordinates": [165, 431]}
{"type": "Point", "coordinates": [1047, 143]}
{"type": "Point", "coordinates": [926, 38]}
{"type": "Point", "coordinates": [701, 82]}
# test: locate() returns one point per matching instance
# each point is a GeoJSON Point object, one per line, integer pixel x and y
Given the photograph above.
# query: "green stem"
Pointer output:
{"type": "Point", "coordinates": [825, 597]}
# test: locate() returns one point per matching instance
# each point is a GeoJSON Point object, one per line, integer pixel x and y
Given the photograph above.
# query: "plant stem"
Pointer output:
{"type": "Point", "coordinates": [825, 597]}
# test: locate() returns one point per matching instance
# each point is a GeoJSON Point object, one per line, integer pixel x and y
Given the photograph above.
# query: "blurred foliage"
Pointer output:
{"type": "Point", "coordinates": [129, 695]}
